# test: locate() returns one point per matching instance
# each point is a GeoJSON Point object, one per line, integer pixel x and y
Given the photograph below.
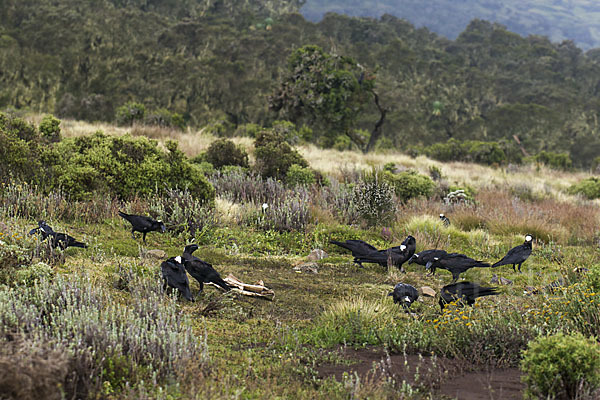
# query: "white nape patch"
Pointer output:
{"type": "Point", "coordinates": [178, 259]}
{"type": "Point", "coordinates": [42, 229]}
{"type": "Point", "coordinates": [406, 298]}
{"type": "Point", "coordinates": [159, 221]}
{"type": "Point", "coordinates": [416, 256]}
{"type": "Point", "coordinates": [265, 206]}
{"type": "Point", "coordinates": [436, 258]}
{"type": "Point", "coordinates": [402, 247]}
{"type": "Point", "coordinates": [441, 215]}
{"type": "Point", "coordinates": [528, 238]}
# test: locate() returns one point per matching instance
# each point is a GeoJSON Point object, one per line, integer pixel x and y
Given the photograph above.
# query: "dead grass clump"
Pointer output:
{"type": "Point", "coordinates": [467, 219]}
{"type": "Point", "coordinates": [154, 131]}
{"type": "Point", "coordinates": [32, 370]}
{"type": "Point", "coordinates": [548, 219]}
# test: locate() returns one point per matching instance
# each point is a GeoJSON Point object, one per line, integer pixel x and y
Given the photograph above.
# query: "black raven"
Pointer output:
{"type": "Point", "coordinates": [200, 270]}
{"type": "Point", "coordinates": [445, 220]}
{"type": "Point", "coordinates": [456, 263]}
{"type": "Point", "coordinates": [396, 255]}
{"type": "Point", "coordinates": [359, 248]}
{"type": "Point", "coordinates": [364, 252]}
{"type": "Point", "coordinates": [173, 274]}
{"type": "Point", "coordinates": [517, 255]}
{"type": "Point", "coordinates": [57, 239]}
{"type": "Point", "coordinates": [143, 224]}
{"type": "Point", "coordinates": [466, 292]}
{"type": "Point", "coordinates": [426, 257]}
{"type": "Point", "coordinates": [404, 294]}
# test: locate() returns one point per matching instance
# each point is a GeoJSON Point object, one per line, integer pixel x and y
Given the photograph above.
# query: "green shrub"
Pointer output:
{"type": "Point", "coordinates": [124, 166]}
{"type": "Point", "coordinates": [165, 118]}
{"type": "Point", "coordinates": [469, 151]}
{"type": "Point", "coordinates": [274, 156]}
{"type": "Point", "coordinates": [223, 152]}
{"type": "Point", "coordinates": [560, 161]}
{"type": "Point", "coordinates": [19, 150]}
{"type": "Point", "coordinates": [50, 128]}
{"type": "Point", "coordinates": [298, 175]}
{"type": "Point", "coordinates": [589, 188]}
{"type": "Point", "coordinates": [561, 366]}
{"type": "Point", "coordinates": [130, 112]}
{"type": "Point", "coordinates": [409, 184]}
{"type": "Point", "coordinates": [250, 130]}
{"type": "Point", "coordinates": [343, 142]}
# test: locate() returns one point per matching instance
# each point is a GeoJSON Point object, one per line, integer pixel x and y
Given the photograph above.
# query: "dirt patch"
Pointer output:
{"type": "Point", "coordinates": [440, 376]}
{"type": "Point", "coordinates": [493, 384]}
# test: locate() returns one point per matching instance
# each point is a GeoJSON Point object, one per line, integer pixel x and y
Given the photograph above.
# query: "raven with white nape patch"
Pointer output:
{"type": "Point", "coordinates": [57, 239]}
{"type": "Point", "coordinates": [444, 220]}
{"type": "Point", "coordinates": [140, 223]}
{"type": "Point", "coordinates": [364, 252]}
{"type": "Point", "coordinates": [426, 258]}
{"type": "Point", "coordinates": [200, 270]}
{"type": "Point", "coordinates": [464, 292]}
{"type": "Point", "coordinates": [404, 294]}
{"type": "Point", "coordinates": [173, 274]}
{"type": "Point", "coordinates": [456, 263]}
{"type": "Point", "coordinates": [517, 255]}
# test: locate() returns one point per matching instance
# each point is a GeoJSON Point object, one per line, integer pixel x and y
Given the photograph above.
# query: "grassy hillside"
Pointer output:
{"type": "Point", "coordinates": [100, 313]}
{"type": "Point", "coordinates": [558, 20]}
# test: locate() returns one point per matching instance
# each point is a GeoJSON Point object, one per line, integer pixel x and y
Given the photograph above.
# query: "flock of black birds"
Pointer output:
{"type": "Point", "coordinates": [174, 270]}
{"type": "Point", "coordinates": [462, 292]}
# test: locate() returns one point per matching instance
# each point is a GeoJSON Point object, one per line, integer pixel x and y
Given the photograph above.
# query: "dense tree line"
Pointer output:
{"type": "Point", "coordinates": [220, 61]}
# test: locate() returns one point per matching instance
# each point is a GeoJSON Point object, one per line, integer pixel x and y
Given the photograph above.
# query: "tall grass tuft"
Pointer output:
{"type": "Point", "coordinates": [355, 321]}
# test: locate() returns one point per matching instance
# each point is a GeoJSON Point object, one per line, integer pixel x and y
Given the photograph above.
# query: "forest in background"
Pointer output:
{"type": "Point", "coordinates": [219, 64]}
{"type": "Point", "coordinates": [576, 20]}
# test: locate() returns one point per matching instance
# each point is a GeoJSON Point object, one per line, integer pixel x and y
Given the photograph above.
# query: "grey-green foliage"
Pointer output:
{"type": "Point", "coordinates": [86, 322]}
{"type": "Point", "coordinates": [373, 199]}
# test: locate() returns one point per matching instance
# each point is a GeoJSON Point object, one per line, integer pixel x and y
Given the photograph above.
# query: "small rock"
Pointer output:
{"type": "Point", "coordinates": [505, 281]}
{"type": "Point", "coordinates": [427, 291]}
{"type": "Point", "coordinates": [156, 253]}
{"type": "Point", "coordinates": [316, 255]}
{"type": "Point", "coordinates": [309, 268]}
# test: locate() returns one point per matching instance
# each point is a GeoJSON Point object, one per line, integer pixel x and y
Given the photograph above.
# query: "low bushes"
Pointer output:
{"type": "Point", "coordinates": [409, 184]}
{"type": "Point", "coordinates": [588, 188]}
{"type": "Point", "coordinates": [103, 341]}
{"type": "Point", "coordinates": [561, 161]}
{"type": "Point", "coordinates": [274, 156]}
{"type": "Point", "coordinates": [561, 367]}
{"type": "Point", "coordinates": [224, 152]}
{"type": "Point", "coordinates": [468, 150]}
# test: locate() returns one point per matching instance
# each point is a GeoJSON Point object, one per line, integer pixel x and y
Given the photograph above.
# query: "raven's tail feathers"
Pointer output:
{"type": "Point", "coordinates": [221, 283]}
